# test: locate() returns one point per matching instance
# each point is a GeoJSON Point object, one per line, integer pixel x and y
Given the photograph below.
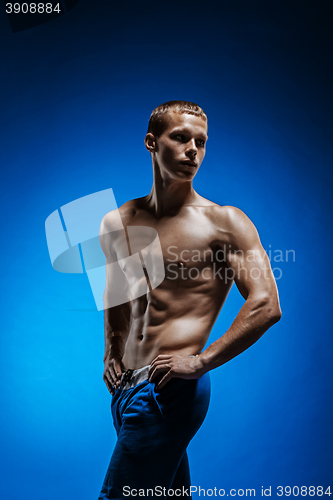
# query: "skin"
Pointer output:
{"type": "Point", "coordinates": [206, 247]}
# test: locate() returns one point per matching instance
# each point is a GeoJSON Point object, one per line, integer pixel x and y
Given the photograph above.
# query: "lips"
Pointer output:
{"type": "Point", "coordinates": [190, 163]}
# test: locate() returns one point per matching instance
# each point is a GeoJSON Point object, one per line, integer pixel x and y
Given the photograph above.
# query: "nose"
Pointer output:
{"type": "Point", "coordinates": [192, 150]}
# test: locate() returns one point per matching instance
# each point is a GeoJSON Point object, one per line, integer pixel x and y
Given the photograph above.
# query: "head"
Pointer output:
{"type": "Point", "coordinates": [176, 138]}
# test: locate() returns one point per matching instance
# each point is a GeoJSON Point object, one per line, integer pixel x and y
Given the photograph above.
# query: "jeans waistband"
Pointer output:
{"type": "Point", "coordinates": [131, 378]}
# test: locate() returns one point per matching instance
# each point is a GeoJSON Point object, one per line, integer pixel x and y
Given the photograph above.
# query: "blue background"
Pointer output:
{"type": "Point", "coordinates": [76, 96]}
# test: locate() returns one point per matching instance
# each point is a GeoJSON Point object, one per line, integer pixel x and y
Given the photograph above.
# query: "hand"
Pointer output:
{"type": "Point", "coordinates": [113, 369]}
{"type": "Point", "coordinates": [175, 367]}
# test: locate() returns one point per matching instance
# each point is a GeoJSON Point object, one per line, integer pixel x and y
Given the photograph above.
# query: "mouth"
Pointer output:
{"type": "Point", "coordinates": [190, 163]}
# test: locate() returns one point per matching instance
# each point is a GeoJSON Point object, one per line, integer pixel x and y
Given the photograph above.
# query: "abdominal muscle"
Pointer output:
{"type": "Point", "coordinates": [170, 323]}
{"type": "Point", "coordinates": [173, 337]}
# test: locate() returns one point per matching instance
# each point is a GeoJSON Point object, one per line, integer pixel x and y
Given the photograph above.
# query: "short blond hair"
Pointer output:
{"type": "Point", "coordinates": [158, 120]}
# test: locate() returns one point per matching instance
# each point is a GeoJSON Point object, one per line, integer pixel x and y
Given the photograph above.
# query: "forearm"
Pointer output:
{"type": "Point", "coordinates": [114, 344]}
{"type": "Point", "coordinates": [116, 328]}
{"type": "Point", "coordinates": [252, 321]}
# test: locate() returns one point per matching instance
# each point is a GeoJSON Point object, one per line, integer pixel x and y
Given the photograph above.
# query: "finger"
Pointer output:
{"type": "Point", "coordinates": [118, 369]}
{"type": "Point", "coordinates": [160, 360]}
{"type": "Point", "coordinates": [112, 378]}
{"type": "Point", "coordinates": [158, 370]}
{"type": "Point", "coordinates": [113, 375]}
{"type": "Point", "coordinates": [107, 378]}
{"type": "Point", "coordinates": [162, 357]}
{"type": "Point", "coordinates": [158, 364]}
{"type": "Point", "coordinates": [108, 385]}
{"type": "Point", "coordinates": [164, 380]}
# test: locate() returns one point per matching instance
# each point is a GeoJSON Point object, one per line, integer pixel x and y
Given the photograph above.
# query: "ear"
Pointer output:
{"type": "Point", "coordinates": [150, 143]}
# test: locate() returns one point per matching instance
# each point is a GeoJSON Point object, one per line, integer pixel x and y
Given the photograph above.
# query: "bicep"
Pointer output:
{"type": "Point", "coordinates": [251, 269]}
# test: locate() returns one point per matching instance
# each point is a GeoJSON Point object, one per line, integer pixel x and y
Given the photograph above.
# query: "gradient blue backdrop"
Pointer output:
{"type": "Point", "coordinates": [76, 95]}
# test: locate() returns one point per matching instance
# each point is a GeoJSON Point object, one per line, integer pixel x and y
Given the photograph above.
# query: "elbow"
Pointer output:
{"type": "Point", "coordinates": [271, 310]}
{"type": "Point", "coordinates": [276, 314]}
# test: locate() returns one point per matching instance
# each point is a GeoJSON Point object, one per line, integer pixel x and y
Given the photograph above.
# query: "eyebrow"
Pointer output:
{"type": "Point", "coordinates": [186, 130]}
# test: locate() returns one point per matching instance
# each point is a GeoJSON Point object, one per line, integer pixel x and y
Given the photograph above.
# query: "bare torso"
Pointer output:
{"type": "Point", "coordinates": [178, 315]}
{"type": "Point", "coordinates": [161, 322]}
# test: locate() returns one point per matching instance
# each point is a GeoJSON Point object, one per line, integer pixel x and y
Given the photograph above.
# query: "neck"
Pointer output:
{"type": "Point", "coordinates": [166, 195]}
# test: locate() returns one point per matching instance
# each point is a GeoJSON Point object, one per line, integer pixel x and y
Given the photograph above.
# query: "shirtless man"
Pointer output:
{"type": "Point", "coordinates": [155, 365]}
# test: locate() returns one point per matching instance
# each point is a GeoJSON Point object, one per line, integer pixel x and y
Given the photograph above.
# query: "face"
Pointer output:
{"type": "Point", "coordinates": [180, 150]}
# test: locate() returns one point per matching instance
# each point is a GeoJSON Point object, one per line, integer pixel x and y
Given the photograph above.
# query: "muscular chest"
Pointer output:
{"type": "Point", "coordinates": [182, 248]}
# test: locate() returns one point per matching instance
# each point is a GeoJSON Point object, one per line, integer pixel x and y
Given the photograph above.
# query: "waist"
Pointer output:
{"type": "Point", "coordinates": [131, 378]}
{"type": "Point", "coordinates": [142, 348]}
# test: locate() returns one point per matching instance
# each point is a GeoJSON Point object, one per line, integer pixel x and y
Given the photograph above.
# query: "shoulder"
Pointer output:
{"type": "Point", "coordinates": [117, 219]}
{"type": "Point", "coordinates": [230, 216]}
{"type": "Point", "coordinates": [111, 222]}
{"type": "Point", "coordinates": [225, 214]}
{"type": "Point", "coordinates": [234, 224]}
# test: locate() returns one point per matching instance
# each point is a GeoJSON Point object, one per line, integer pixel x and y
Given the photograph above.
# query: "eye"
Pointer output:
{"type": "Point", "coordinates": [201, 143]}
{"type": "Point", "coordinates": [179, 137]}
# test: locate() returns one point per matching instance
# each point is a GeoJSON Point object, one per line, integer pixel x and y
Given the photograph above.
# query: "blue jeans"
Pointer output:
{"type": "Point", "coordinates": [154, 430]}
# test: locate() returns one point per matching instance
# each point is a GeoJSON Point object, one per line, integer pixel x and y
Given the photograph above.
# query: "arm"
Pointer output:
{"type": "Point", "coordinates": [116, 327]}
{"type": "Point", "coordinates": [117, 308]}
{"type": "Point", "coordinates": [254, 279]}
{"type": "Point", "coordinates": [251, 270]}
